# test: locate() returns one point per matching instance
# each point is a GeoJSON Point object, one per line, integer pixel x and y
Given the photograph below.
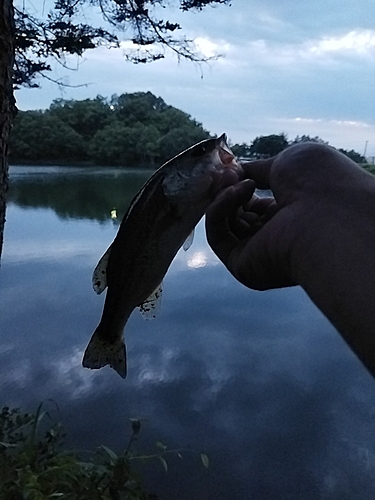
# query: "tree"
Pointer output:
{"type": "Point", "coordinates": [268, 145]}
{"type": "Point", "coordinates": [28, 43]}
{"type": "Point", "coordinates": [353, 155]}
{"type": "Point", "coordinates": [38, 135]}
{"type": "Point", "coordinates": [133, 129]}
{"type": "Point", "coordinates": [63, 32]}
{"type": "Point", "coordinates": [137, 107]}
{"type": "Point", "coordinates": [306, 138]}
{"type": "Point", "coordinates": [7, 102]}
{"type": "Point", "coordinates": [120, 144]}
{"type": "Point", "coordinates": [241, 150]}
{"type": "Point", "coordinates": [85, 117]}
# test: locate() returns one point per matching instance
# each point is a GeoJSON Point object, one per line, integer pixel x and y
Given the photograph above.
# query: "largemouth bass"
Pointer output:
{"type": "Point", "coordinates": [161, 217]}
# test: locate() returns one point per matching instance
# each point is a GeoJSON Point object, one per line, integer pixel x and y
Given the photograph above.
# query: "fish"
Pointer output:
{"type": "Point", "coordinates": [159, 221]}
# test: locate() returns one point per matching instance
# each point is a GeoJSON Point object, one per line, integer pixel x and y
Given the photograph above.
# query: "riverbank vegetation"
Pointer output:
{"type": "Point", "coordinates": [130, 129]}
{"type": "Point", "coordinates": [35, 466]}
{"type": "Point", "coordinates": [136, 129]}
{"type": "Point", "coordinates": [270, 145]}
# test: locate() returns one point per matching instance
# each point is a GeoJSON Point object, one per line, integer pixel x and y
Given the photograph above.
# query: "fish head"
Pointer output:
{"type": "Point", "coordinates": [193, 172]}
{"type": "Point", "coordinates": [210, 154]}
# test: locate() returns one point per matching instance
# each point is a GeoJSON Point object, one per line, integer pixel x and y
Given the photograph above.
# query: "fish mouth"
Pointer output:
{"type": "Point", "coordinates": [225, 153]}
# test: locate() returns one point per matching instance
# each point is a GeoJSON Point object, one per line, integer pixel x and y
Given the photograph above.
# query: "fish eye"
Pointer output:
{"type": "Point", "coordinates": [199, 151]}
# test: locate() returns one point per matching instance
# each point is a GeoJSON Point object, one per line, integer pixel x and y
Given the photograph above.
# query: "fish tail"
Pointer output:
{"type": "Point", "coordinates": [101, 353]}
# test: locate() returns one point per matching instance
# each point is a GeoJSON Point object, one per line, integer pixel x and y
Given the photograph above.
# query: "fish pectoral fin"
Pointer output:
{"type": "Point", "coordinates": [101, 353]}
{"type": "Point", "coordinates": [99, 276]}
{"type": "Point", "coordinates": [189, 241]}
{"type": "Point", "coordinates": [150, 307]}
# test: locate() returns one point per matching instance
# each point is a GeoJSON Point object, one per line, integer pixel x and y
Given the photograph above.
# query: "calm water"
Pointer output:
{"type": "Point", "coordinates": [260, 382]}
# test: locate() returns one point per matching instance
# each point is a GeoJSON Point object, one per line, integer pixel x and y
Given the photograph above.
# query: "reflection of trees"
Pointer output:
{"type": "Point", "coordinates": [86, 196]}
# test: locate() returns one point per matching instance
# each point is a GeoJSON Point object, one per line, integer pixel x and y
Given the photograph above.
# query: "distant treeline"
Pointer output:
{"type": "Point", "coordinates": [130, 129]}
{"type": "Point", "coordinates": [269, 145]}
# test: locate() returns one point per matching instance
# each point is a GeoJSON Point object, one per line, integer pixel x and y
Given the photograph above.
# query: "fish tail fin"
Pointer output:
{"type": "Point", "coordinates": [101, 353]}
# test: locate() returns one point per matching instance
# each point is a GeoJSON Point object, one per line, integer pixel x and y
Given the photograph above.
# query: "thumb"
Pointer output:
{"type": "Point", "coordinates": [259, 171]}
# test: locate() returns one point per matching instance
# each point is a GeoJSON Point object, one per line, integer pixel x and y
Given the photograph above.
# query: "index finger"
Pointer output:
{"type": "Point", "coordinates": [222, 209]}
{"type": "Point", "coordinates": [259, 171]}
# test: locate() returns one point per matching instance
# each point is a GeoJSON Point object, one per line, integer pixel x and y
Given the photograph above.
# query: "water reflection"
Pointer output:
{"type": "Point", "coordinates": [79, 193]}
{"type": "Point", "coordinates": [259, 381]}
{"type": "Point", "coordinates": [198, 259]}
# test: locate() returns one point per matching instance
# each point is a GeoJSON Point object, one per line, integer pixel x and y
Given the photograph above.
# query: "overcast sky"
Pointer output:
{"type": "Point", "coordinates": [288, 66]}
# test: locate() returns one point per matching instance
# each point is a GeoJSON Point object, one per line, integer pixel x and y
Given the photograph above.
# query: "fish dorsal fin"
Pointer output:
{"type": "Point", "coordinates": [151, 305]}
{"type": "Point", "coordinates": [189, 241]}
{"type": "Point", "coordinates": [99, 276]}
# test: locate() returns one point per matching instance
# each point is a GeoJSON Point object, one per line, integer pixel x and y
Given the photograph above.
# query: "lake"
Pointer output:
{"type": "Point", "coordinates": [259, 381]}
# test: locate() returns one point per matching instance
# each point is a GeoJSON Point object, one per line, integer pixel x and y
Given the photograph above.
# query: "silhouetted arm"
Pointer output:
{"type": "Point", "coordinates": [318, 232]}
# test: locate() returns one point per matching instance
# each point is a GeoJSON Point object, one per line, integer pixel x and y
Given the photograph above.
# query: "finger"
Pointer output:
{"type": "Point", "coordinates": [251, 218]}
{"type": "Point", "coordinates": [242, 228]}
{"type": "Point", "coordinates": [271, 211]}
{"type": "Point", "coordinates": [222, 180]}
{"type": "Point", "coordinates": [222, 209]}
{"type": "Point", "coordinates": [242, 224]}
{"type": "Point", "coordinates": [259, 171]}
{"type": "Point", "coordinates": [259, 205]}
{"type": "Point", "coordinates": [259, 214]}
{"type": "Point", "coordinates": [247, 225]}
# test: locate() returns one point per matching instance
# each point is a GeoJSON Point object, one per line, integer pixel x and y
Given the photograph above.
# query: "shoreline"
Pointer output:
{"type": "Point", "coordinates": [62, 163]}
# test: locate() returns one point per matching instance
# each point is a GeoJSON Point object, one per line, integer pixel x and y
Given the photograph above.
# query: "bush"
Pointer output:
{"type": "Point", "coordinates": [37, 468]}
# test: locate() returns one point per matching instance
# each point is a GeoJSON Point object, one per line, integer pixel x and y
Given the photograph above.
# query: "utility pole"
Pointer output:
{"type": "Point", "coordinates": [365, 151]}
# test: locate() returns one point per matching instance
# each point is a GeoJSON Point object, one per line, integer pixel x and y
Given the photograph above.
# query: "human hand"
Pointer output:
{"type": "Point", "coordinates": [264, 241]}
{"type": "Point", "coordinates": [318, 232]}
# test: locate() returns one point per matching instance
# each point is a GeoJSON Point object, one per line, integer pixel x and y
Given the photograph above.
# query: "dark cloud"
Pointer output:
{"type": "Point", "coordinates": [274, 70]}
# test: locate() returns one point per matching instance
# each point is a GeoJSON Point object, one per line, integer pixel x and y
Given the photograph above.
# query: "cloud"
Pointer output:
{"type": "Point", "coordinates": [357, 42]}
{"type": "Point", "coordinates": [36, 250]}
{"type": "Point", "coordinates": [208, 48]}
{"type": "Point", "coordinates": [205, 47]}
{"type": "Point", "coordinates": [347, 123]}
{"type": "Point", "coordinates": [224, 370]}
{"type": "Point", "coordinates": [346, 134]}
{"type": "Point", "coordinates": [280, 61]}
{"type": "Point", "coordinates": [198, 259]}
{"type": "Point", "coordinates": [265, 52]}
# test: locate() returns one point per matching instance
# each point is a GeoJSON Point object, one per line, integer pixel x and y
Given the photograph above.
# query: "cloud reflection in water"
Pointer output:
{"type": "Point", "coordinates": [259, 381]}
{"type": "Point", "coordinates": [199, 259]}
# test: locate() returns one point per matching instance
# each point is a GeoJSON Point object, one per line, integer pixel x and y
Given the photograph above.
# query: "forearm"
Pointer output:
{"type": "Point", "coordinates": [320, 236]}
{"type": "Point", "coordinates": [336, 267]}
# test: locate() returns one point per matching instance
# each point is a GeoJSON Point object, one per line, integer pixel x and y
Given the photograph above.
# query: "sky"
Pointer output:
{"type": "Point", "coordinates": [286, 66]}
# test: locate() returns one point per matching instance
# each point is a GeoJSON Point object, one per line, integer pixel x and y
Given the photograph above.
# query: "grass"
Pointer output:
{"type": "Point", "coordinates": [34, 465]}
{"type": "Point", "coordinates": [369, 167]}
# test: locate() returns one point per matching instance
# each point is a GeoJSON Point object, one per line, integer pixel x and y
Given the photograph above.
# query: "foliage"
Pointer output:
{"type": "Point", "coordinates": [268, 145]}
{"type": "Point", "coordinates": [65, 32]}
{"type": "Point", "coordinates": [35, 468]}
{"type": "Point", "coordinates": [370, 167]}
{"type": "Point", "coordinates": [241, 150]}
{"type": "Point", "coordinates": [84, 117]}
{"type": "Point", "coordinates": [78, 196]}
{"type": "Point", "coordinates": [36, 40]}
{"type": "Point", "coordinates": [130, 129]}
{"type": "Point", "coordinates": [353, 155]}
{"type": "Point", "coordinates": [306, 138]}
{"type": "Point", "coordinates": [37, 133]}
